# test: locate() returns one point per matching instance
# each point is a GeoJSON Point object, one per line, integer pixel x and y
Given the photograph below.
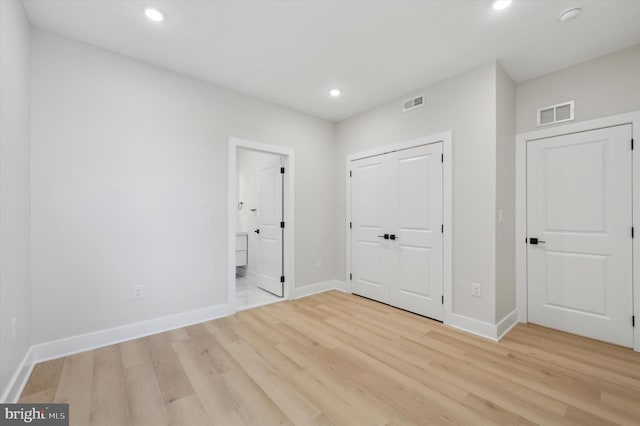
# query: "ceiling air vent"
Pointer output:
{"type": "Point", "coordinates": [413, 103]}
{"type": "Point", "coordinates": [555, 114]}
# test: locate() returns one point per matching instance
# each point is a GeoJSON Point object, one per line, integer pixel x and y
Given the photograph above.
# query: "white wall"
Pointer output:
{"type": "Point", "coordinates": [505, 193]}
{"type": "Point", "coordinates": [601, 87]}
{"type": "Point", "coordinates": [249, 165]}
{"type": "Point", "coordinates": [15, 289]}
{"type": "Point", "coordinates": [465, 104]}
{"type": "Point", "coordinates": [129, 187]}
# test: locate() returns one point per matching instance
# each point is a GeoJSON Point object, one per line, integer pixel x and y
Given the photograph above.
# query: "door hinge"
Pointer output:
{"type": "Point", "coordinates": [632, 232]}
{"type": "Point", "coordinates": [631, 144]}
{"type": "Point", "coordinates": [442, 300]}
{"type": "Point", "coordinates": [281, 224]}
{"type": "Point", "coordinates": [442, 228]}
{"type": "Point", "coordinates": [350, 173]}
{"type": "Point", "coordinates": [633, 320]}
{"type": "Point", "coordinates": [350, 225]}
{"type": "Point", "coordinates": [350, 277]}
{"type": "Point", "coordinates": [282, 170]}
{"type": "Point", "coordinates": [442, 158]}
{"type": "Point", "coordinates": [282, 279]}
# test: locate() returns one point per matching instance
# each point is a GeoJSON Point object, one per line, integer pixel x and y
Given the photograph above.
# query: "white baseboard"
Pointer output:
{"type": "Point", "coordinates": [506, 324]}
{"type": "Point", "coordinates": [98, 339]}
{"type": "Point", "coordinates": [19, 379]}
{"type": "Point", "coordinates": [321, 287]}
{"type": "Point", "coordinates": [473, 326]}
{"type": "Point", "coordinates": [484, 329]}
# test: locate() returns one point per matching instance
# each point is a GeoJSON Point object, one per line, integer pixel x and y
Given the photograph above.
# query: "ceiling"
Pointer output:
{"type": "Point", "coordinates": [293, 52]}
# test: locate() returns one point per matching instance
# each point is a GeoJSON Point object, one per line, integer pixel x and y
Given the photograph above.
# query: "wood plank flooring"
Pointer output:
{"type": "Point", "coordinates": [339, 359]}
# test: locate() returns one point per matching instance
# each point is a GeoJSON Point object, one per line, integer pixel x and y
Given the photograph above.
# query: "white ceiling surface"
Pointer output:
{"type": "Point", "coordinates": [293, 52]}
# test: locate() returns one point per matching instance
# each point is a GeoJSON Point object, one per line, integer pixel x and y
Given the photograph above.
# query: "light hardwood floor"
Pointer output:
{"type": "Point", "coordinates": [340, 359]}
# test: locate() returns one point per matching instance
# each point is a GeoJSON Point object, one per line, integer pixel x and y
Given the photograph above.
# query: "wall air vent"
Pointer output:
{"type": "Point", "coordinates": [555, 114]}
{"type": "Point", "coordinates": [413, 103]}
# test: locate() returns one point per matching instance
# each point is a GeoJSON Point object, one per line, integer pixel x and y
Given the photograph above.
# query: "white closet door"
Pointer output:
{"type": "Point", "coordinates": [579, 204]}
{"type": "Point", "coordinates": [416, 220]}
{"type": "Point", "coordinates": [397, 245]}
{"type": "Point", "coordinates": [270, 211]}
{"type": "Point", "coordinates": [370, 197]}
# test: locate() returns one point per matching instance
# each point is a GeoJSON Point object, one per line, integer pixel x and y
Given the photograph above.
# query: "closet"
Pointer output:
{"type": "Point", "coordinates": [397, 229]}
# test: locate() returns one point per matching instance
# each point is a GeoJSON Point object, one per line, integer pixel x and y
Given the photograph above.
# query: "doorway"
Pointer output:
{"type": "Point", "coordinates": [399, 225]}
{"type": "Point", "coordinates": [397, 237]}
{"type": "Point", "coordinates": [579, 223]}
{"type": "Point", "coordinates": [261, 224]}
{"type": "Point", "coordinates": [577, 253]}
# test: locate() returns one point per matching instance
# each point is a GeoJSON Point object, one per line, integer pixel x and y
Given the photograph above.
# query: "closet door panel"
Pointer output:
{"type": "Point", "coordinates": [416, 220]}
{"type": "Point", "coordinates": [369, 220]}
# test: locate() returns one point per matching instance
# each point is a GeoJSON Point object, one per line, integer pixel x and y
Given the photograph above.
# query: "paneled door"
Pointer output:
{"type": "Point", "coordinates": [579, 224]}
{"type": "Point", "coordinates": [416, 218]}
{"type": "Point", "coordinates": [370, 198]}
{"type": "Point", "coordinates": [270, 265]}
{"type": "Point", "coordinates": [397, 244]}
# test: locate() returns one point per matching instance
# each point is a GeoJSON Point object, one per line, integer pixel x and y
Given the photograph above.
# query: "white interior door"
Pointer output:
{"type": "Point", "coordinates": [579, 208]}
{"type": "Point", "coordinates": [416, 220]}
{"type": "Point", "coordinates": [270, 266]}
{"type": "Point", "coordinates": [397, 245]}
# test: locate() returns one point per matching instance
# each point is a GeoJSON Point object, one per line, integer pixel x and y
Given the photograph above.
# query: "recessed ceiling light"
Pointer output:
{"type": "Point", "coordinates": [335, 92]}
{"type": "Point", "coordinates": [569, 15]}
{"type": "Point", "coordinates": [153, 14]}
{"type": "Point", "coordinates": [501, 4]}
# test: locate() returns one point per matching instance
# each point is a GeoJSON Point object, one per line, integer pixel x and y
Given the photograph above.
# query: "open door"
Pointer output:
{"type": "Point", "coordinates": [270, 271]}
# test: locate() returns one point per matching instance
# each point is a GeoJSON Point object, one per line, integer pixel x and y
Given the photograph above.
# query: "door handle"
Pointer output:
{"type": "Point", "coordinates": [394, 237]}
{"type": "Point", "coordinates": [257, 231]}
{"type": "Point", "coordinates": [534, 241]}
{"type": "Point", "coordinates": [385, 236]}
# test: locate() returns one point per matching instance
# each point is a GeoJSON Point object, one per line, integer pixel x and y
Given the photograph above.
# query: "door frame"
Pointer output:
{"type": "Point", "coordinates": [447, 208]}
{"type": "Point", "coordinates": [232, 207]}
{"type": "Point", "coordinates": [632, 118]}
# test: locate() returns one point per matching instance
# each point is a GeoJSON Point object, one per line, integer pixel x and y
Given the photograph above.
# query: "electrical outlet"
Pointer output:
{"type": "Point", "coordinates": [138, 291]}
{"type": "Point", "coordinates": [13, 328]}
{"type": "Point", "coordinates": [318, 263]}
{"type": "Point", "coordinates": [476, 290]}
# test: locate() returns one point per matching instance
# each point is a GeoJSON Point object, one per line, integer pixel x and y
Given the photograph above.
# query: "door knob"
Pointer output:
{"type": "Point", "coordinates": [257, 231]}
